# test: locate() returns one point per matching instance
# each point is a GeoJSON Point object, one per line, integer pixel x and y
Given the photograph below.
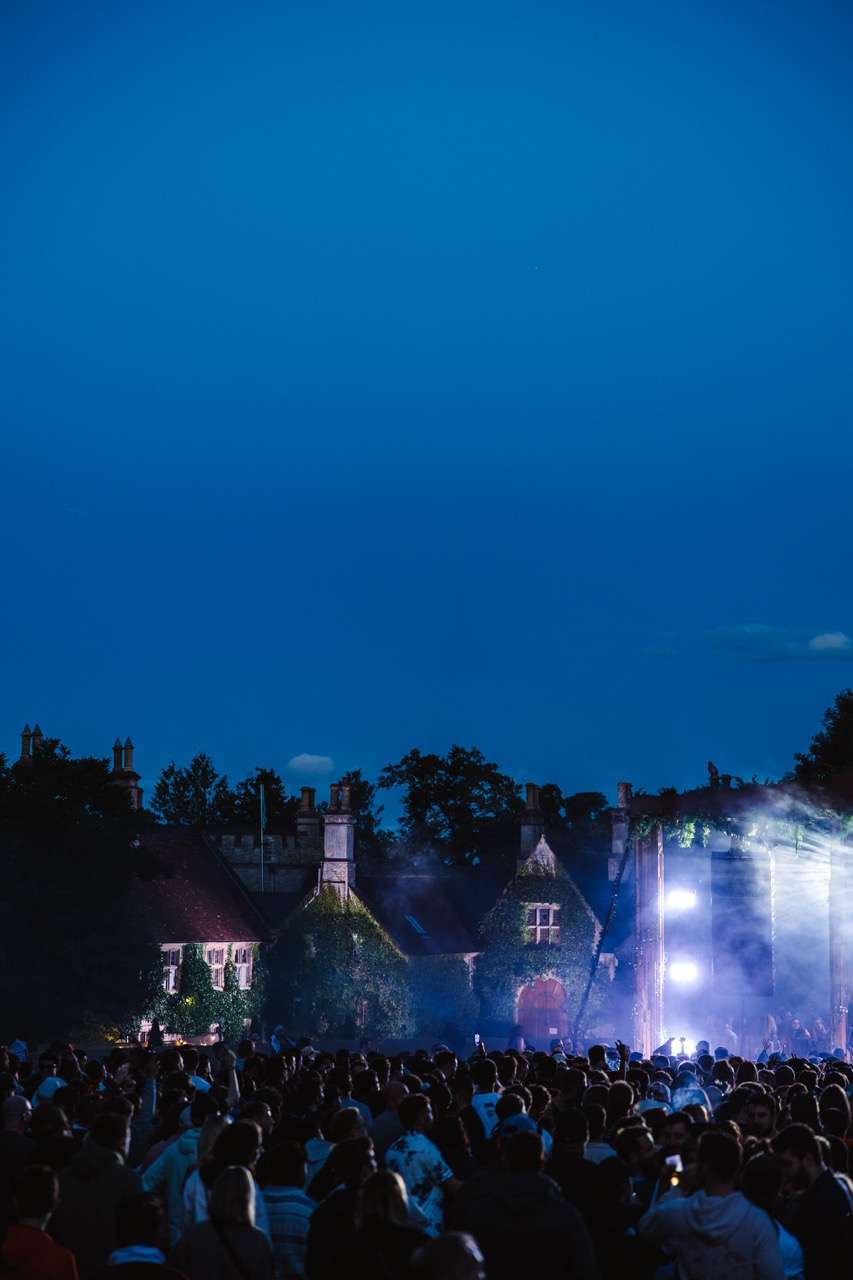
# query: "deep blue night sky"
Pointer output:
{"type": "Point", "coordinates": [374, 377]}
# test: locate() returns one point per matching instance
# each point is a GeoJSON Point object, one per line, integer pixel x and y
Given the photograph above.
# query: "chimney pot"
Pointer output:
{"type": "Point", "coordinates": [624, 793]}
{"type": "Point", "coordinates": [334, 795]}
{"type": "Point", "coordinates": [26, 743]}
{"type": "Point", "coordinates": [344, 793]}
{"type": "Point", "coordinates": [117, 762]}
{"type": "Point", "coordinates": [532, 796]}
{"type": "Point", "coordinates": [306, 799]}
{"type": "Point", "coordinates": [128, 754]}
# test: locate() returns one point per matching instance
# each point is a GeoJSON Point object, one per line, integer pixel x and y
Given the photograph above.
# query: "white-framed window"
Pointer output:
{"type": "Point", "coordinates": [243, 964]}
{"type": "Point", "coordinates": [543, 923]}
{"type": "Point", "coordinates": [216, 959]}
{"type": "Point", "coordinates": [171, 968]}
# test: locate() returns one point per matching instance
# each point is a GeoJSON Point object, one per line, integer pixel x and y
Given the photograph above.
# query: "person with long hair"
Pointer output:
{"type": "Point", "coordinates": [228, 1246]}
{"type": "Point", "coordinates": [386, 1237]}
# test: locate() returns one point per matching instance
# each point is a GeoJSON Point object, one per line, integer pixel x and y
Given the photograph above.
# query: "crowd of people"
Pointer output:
{"type": "Point", "coordinates": [211, 1164]}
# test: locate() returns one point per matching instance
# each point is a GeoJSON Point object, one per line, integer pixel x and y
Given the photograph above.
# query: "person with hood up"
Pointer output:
{"type": "Point", "coordinates": [167, 1175]}
{"type": "Point", "coordinates": [90, 1188]}
{"type": "Point", "coordinates": [715, 1234]}
{"type": "Point", "coordinates": [517, 1213]}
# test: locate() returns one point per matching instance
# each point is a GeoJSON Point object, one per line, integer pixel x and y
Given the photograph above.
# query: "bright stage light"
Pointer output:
{"type": "Point", "coordinates": [681, 899]}
{"type": "Point", "coordinates": [683, 971]}
{"type": "Point", "coordinates": [685, 1045]}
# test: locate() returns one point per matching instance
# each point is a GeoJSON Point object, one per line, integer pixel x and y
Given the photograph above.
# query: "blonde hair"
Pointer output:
{"type": "Point", "coordinates": [384, 1196]}
{"type": "Point", "coordinates": [232, 1200]}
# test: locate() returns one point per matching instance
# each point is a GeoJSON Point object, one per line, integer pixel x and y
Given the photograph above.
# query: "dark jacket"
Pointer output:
{"type": "Point", "coordinates": [822, 1220]}
{"type": "Point", "coordinates": [91, 1187]}
{"type": "Point", "coordinates": [382, 1250]}
{"type": "Point", "coordinates": [208, 1252]}
{"type": "Point", "coordinates": [517, 1216]}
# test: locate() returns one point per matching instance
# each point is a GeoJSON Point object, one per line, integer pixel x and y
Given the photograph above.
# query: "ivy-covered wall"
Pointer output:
{"type": "Point", "coordinates": [197, 1005]}
{"type": "Point", "coordinates": [444, 1006]}
{"type": "Point", "coordinates": [507, 963]}
{"type": "Point", "coordinates": [335, 971]}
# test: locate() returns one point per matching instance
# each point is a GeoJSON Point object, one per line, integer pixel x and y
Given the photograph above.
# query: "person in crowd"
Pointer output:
{"type": "Point", "coordinates": [387, 1126]}
{"type": "Point", "coordinates": [27, 1250]}
{"type": "Point", "coordinates": [456, 1256]}
{"type": "Point", "coordinates": [761, 1183]}
{"type": "Point", "coordinates": [386, 1236]}
{"type": "Point", "coordinates": [227, 1245]}
{"type": "Point", "coordinates": [16, 1149]}
{"type": "Point", "coordinates": [427, 1176]}
{"type": "Point", "coordinates": [336, 1219]}
{"type": "Point", "coordinates": [519, 1211]}
{"type": "Point", "coordinates": [168, 1174]}
{"type": "Point", "coordinates": [239, 1144]}
{"type": "Point", "coordinates": [715, 1222]}
{"type": "Point", "coordinates": [90, 1188]}
{"type": "Point", "coordinates": [820, 1208]}
{"type": "Point", "coordinates": [282, 1172]}
{"type": "Point", "coordinates": [142, 1236]}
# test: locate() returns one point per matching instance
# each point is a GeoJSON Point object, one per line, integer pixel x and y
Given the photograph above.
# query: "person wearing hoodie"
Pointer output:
{"type": "Point", "coordinates": [169, 1172]}
{"type": "Point", "coordinates": [517, 1213]}
{"type": "Point", "coordinates": [90, 1188]}
{"type": "Point", "coordinates": [715, 1234]}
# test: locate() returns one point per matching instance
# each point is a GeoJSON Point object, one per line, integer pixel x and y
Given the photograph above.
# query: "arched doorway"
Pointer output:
{"type": "Point", "coordinates": [542, 1012]}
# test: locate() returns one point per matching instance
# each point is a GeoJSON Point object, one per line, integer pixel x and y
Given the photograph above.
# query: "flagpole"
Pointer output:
{"type": "Point", "coordinates": [262, 816]}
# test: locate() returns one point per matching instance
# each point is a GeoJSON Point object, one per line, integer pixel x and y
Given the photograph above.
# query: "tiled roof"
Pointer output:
{"type": "Point", "coordinates": [430, 914]}
{"type": "Point", "coordinates": [193, 896]}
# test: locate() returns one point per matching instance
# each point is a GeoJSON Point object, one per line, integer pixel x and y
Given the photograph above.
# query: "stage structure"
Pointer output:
{"type": "Point", "coordinates": [740, 871]}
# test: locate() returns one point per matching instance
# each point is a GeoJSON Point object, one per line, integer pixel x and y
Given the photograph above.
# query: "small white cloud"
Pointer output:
{"type": "Point", "coordinates": [831, 642]}
{"type": "Point", "coordinates": [308, 766]}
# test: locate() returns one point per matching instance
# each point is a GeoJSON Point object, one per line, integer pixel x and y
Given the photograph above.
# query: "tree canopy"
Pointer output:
{"type": "Point", "coordinates": [197, 795]}
{"type": "Point", "coordinates": [460, 803]}
{"type": "Point", "coordinates": [68, 844]}
{"type": "Point", "coordinates": [828, 763]}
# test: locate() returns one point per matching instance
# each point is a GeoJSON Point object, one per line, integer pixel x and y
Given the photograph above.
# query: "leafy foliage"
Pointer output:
{"type": "Point", "coordinates": [279, 807]}
{"type": "Point", "coordinates": [333, 963]}
{"type": "Point", "coordinates": [444, 1004]}
{"type": "Point", "coordinates": [67, 839]}
{"type": "Point", "coordinates": [195, 796]}
{"type": "Point", "coordinates": [830, 755]}
{"type": "Point", "coordinates": [508, 962]}
{"type": "Point", "coordinates": [460, 803]}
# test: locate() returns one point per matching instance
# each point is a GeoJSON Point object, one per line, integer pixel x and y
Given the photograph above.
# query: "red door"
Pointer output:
{"type": "Point", "coordinates": [542, 1012]}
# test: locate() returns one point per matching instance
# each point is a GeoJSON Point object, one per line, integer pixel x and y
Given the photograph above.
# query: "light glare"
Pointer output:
{"type": "Point", "coordinates": [683, 971]}
{"type": "Point", "coordinates": [681, 899]}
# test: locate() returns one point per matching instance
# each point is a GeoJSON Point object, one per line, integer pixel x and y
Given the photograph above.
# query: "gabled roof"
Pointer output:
{"type": "Point", "coordinates": [430, 914]}
{"type": "Point", "coordinates": [192, 896]}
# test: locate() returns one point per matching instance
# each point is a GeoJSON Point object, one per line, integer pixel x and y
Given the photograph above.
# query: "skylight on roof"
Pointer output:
{"type": "Point", "coordinates": [416, 925]}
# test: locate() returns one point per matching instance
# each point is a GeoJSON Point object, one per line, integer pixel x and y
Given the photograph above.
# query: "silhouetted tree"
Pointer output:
{"type": "Point", "coordinates": [280, 808]}
{"type": "Point", "coordinates": [195, 796]}
{"type": "Point", "coordinates": [828, 763]}
{"type": "Point", "coordinates": [459, 802]}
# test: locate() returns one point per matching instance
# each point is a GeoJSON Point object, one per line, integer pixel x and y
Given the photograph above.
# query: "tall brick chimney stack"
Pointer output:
{"type": "Point", "coordinates": [26, 745]}
{"type": "Point", "coordinates": [532, 821]}
{"type": "Point", "coordinates": [338, 867]}
{"type": "Point", "coordinates": [38, 738]}
{"type": "Point", "coordinates": [123, 773]}
{"type": "Point", "coordinates": [308, 820]}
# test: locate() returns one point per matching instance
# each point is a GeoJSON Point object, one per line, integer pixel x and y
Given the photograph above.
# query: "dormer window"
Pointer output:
{"type": "Point", "coordinates": [543, 923]}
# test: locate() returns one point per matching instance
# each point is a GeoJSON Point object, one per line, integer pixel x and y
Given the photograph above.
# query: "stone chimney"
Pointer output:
{"type": "Point", "coordinates": [338, 866]}
{"type": "Point", "coordinates": [123, 773]}
{"type": "Point", "coordinates": [26, 745]}
{"type": "Point", "coordinates": [38, 737]}
{"type": "Point", "coordinates": [621, 820]}
{"type": "Point", "coordinates": [308, 820]}
{"type": "Point", "coordinates": [532, 822]}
